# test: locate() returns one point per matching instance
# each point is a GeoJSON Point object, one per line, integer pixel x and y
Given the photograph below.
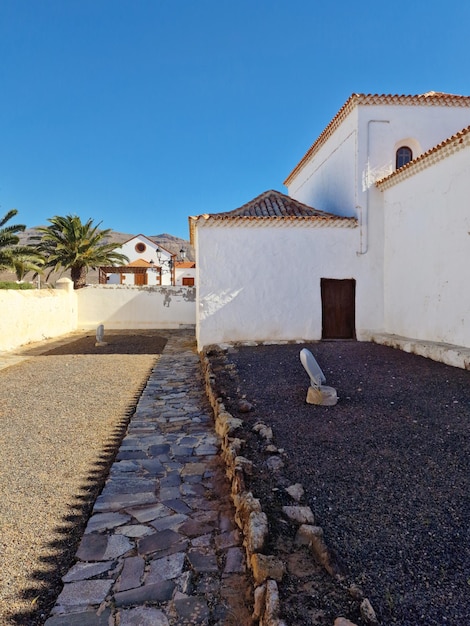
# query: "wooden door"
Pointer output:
{"type": "Point", "coordinates": [338, 299]}
{"type": "Point", "coordinates": [140, 278]}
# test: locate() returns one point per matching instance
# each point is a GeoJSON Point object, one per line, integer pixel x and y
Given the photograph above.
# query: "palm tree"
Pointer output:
{"type": "Point", "coordinates": [10, 252]}
{"type": "Point", "coordinates": [29, 262]}
{"type": "Point", "coordinates": [69, 244]}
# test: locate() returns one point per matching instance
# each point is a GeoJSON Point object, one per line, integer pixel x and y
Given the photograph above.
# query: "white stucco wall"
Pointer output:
{"type": "Point", "coordinates": [129, 307]}
{"type": "Point", "coordinates": [328, 181]}
{"type": "Point", "coordinates": [37, 314]}
{"type": "Point", "coordinates": [129, 279]}
{"type": "Point", "coordinates": [268, 286]}
{"type": "Point", "coordinates": [340, 177]}
{"type": "Point", "coordinates": [362, 149]}
{"type": "Point", "coordinates": [382, 129]}
{"type": "Point", "coordinates": [129, 249]}
{"type": "Point", "coordinates": [427, 253]}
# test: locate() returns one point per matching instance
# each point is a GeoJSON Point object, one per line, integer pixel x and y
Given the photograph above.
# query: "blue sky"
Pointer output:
{"type": "Point", "coordinates": [138, 113]}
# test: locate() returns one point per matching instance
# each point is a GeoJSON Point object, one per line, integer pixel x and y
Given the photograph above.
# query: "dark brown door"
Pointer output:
{"type": "Point", "coordinates": [338, 299]}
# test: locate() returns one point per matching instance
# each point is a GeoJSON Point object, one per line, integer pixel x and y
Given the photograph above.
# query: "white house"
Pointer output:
{"type": "Point", "coordinates": [185, 273]}
{"type": "Point", "coordinates": [149, 264]}
{"type": "Point", "coordinates": [258, 270]}
{"type": "Point", "coordinates": [352, 267]}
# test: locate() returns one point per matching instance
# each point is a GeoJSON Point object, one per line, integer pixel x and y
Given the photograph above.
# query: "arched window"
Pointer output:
{"type": "Point", "coordinates": [404, 156]}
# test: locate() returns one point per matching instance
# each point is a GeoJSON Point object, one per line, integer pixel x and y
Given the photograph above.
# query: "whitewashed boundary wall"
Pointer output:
{"type": "Point", "coordinates": [133, 307]}
{"type": "Point", "coordinates": [37, 314]}
{"type": "Point", "coordinates": [34, 315]}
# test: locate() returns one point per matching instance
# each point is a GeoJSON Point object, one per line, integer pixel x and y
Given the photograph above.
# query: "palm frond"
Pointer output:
{"type": "Point", "coordinates": [70, 244]}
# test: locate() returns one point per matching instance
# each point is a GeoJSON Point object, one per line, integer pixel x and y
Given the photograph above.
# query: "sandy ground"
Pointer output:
{"type": "Point", "coordinates": [62, 418]}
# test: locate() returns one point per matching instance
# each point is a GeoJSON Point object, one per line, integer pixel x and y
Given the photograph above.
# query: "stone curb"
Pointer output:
{"type": "Point", "coordinates": [267, 570]}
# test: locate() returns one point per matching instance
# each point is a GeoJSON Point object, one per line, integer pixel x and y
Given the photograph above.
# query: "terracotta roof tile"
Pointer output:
{"type": "Point", "coordinates": [272, 204]}
{"type": "Point", "coordinates": [139, 263]}
{"type": "Point", "coordinates": [431, 98]}
{"type": "Point", "coordinates": [276, 208]}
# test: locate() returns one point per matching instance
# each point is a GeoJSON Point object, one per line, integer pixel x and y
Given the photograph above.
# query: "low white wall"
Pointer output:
{"type": "Point", "coordinates": [130, 307]}
{"type": "Point", "coordinates": [37, 314]}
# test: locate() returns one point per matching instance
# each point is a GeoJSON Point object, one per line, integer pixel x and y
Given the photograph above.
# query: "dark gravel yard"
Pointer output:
{"type": "Point", "coordinates": [385, 471]}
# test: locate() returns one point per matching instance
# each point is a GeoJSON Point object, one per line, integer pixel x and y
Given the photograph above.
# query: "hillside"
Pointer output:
{"type": "Point", "coordinates": [169, 242]}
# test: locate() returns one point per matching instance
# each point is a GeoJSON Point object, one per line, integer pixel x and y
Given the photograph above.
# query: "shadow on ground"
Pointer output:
{"type": "Point", "coordinates": [46, 579]}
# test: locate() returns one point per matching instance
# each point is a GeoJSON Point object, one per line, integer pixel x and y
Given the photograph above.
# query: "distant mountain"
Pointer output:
{"type": "Point", "coordinates": [169, 242]}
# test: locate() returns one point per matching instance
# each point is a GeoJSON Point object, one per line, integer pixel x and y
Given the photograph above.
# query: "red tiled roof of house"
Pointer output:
{"type": "Point", "coordinates": [431, 98]}
{"type": "Point", "coordinates": [139, 263]}
{"type": "Point", "coordinates": [273, 206]}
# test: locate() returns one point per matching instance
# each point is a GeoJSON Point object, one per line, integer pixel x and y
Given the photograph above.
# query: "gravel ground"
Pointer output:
{"type": "Point", "coordinates": [385, 471]}
{"type": "Point", "coordinates": [63, 415]}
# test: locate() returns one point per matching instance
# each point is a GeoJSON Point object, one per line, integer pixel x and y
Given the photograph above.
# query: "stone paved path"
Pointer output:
{"type": "Point", "coordinates": [161, 547]}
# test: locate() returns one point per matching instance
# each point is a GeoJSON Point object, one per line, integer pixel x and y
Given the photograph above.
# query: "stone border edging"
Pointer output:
{"type": "Point", "coordinates": [268, 570]}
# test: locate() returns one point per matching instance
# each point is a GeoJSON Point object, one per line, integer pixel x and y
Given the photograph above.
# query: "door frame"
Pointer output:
{"type": "Point", "coordinates": [338, 307]}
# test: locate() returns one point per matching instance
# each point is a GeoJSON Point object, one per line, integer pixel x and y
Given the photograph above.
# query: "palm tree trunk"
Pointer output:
{"type": "Point", "coordinates": [78, 275]}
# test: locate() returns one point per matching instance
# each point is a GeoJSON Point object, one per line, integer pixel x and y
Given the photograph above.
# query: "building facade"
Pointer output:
{"type": "Point", "coordinates": [398, 267]}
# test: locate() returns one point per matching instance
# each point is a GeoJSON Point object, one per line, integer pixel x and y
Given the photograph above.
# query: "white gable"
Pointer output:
{"type": "Point", "coordinates": [143, 248]}
{"type": "Point", "coordinates": [360, 143]}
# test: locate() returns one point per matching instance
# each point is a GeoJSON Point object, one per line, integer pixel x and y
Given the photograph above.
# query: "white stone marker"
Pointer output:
{"type": "Point", "coordinates": [99, 336]}
{"type": "Point", "coordinates": [317, 393]}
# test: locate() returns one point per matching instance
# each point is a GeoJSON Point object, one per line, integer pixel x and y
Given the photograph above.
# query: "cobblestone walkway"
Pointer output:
{"type": "Point", "coordinates": [161, 547]}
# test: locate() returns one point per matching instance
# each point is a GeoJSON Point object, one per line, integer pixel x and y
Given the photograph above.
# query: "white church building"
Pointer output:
{"type": "Point", "coordinates": [372, 237]}
{"type": "Point", "coordinates": [150, 264]}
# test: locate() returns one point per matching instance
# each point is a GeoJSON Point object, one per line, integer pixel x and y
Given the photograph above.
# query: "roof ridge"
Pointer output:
{"type": "Point", "coordinates": [276, 208]}
{"type": "Point", "coordinates": [271, 203]}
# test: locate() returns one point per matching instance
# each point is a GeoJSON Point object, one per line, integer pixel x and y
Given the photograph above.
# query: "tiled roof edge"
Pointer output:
{"type": "Point", "coordinates": [229, 218]}
{"type": "Point", "coordinates": [431, 98]}
{"type": "Point", "coordinates": [294, 220]}
{"type": "Point", "coordinates": [437, 153]}
{"type": "Point", "coordinates": [239, 211]}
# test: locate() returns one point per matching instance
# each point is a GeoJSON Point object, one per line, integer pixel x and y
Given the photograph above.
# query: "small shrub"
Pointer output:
{"type": "Point", "coordinates": [5, 284]}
